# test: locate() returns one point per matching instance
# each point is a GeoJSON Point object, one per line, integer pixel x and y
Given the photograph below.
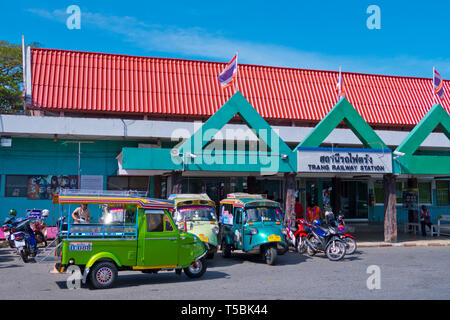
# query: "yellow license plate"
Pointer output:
{"type": "Point", "coordinates": [204, 239]}
{"type": "Point", "coordinates": [274, 238]}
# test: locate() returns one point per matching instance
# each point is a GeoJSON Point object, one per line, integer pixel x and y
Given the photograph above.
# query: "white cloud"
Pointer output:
{"type": "Point", "coordinates": [200, 43]}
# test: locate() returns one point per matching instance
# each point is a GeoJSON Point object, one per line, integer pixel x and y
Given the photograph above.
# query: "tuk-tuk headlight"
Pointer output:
{"type": "Point", "coordinates": [216, 230]}
{"type": "Point", "coordinates": [254, 231]}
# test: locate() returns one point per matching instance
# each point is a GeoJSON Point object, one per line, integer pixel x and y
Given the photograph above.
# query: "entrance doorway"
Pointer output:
{"type": "Point", "coordinates": [216, 188]}
{"type": "Point", "coordinates": [355, 199]}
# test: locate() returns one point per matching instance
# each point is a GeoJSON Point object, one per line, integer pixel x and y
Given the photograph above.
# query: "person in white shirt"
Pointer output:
{"type": "Point", "coordinates": [81, 214]}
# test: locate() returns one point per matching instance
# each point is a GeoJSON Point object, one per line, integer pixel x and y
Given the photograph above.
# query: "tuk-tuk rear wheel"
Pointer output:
{"type": "Point", "coordinates": [103, 275]}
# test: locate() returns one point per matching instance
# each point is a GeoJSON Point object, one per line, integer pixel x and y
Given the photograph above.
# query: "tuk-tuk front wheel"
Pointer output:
{"type": "Point", "coordinates": [196, 269]}
{"type": "Point", "coordinates": [103, 275]}
{"type": "Point", "coordinates": [270, 255]}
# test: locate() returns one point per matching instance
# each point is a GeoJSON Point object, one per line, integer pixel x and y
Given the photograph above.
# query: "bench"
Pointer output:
{"type": "Point", "coordinates": [443, 226]}
{"type": "Point", "coordinates": [416, 228]}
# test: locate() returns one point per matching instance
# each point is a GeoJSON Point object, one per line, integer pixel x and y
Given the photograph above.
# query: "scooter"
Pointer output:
{"type": "Point", "coordinates": [326, 240]}
{"type": "Point", "coordinates": [6, 228]}
{"type": "Point", "coordinates": [24, 240]}
{"type": "Point", "coordinates": [39, 228]}
{"type": "Point", "coordinates": [296, 235]}
{"type": "Point", "coordinates": [350, 241]}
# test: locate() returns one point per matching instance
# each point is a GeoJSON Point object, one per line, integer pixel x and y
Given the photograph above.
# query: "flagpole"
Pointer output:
{"type": "Point", "coordinates": [237, 72]}
{"type": "Point", "coordinates": [432, 87]}
{"type": "Point", "coordinates": [340, 84]}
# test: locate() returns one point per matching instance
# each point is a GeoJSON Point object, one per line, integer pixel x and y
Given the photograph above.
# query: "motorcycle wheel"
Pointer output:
{"type": "Point", "coordinates": [24, 255]}
{"type": "Point", "coordinates": [11, 244]}
{"type": "Point", "coordinates": [351, 245]}
{"type": "Point", "coordinates": [302, 246]}
{"type": "Point", "coordinates": [336, 252]}
{"type": "Point", "coordinates": [310, 251]}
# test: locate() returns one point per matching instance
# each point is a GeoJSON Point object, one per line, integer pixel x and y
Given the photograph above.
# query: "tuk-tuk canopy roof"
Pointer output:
{"type": "Point", "coordinates": [246, 199]}
{"type": "Point", "coordinates": [111, 197]}
{"type": "Point", "coordinates": [187, 199]}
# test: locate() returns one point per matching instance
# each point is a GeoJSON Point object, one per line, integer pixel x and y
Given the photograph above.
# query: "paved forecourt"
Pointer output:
{"type": "Point", "coordinates": [405, 273]}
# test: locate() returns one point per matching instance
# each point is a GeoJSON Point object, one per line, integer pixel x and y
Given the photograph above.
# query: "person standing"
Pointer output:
{"type": "Point", "coordinates": [299, 211]}
{"type": "Point", "coordinates": [425, 220]}
{"type": "Point", "coordinates": [313, 212]}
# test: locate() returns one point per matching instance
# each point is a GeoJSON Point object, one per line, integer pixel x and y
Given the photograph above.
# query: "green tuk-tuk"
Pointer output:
{"type": "Point", "coordinates": [253, 224]}
{"type": "Point", "coordinates": [126, 231]}
{"type": "Point", "coordinates": [196, 213]}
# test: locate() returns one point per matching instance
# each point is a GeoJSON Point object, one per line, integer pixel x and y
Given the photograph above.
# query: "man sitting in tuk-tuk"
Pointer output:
{"type": "Point", "coordinates": [81, 214]}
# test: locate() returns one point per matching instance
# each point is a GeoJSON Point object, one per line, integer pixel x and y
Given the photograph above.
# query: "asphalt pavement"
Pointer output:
{"type": "Point", "coordinates": [405, 273]}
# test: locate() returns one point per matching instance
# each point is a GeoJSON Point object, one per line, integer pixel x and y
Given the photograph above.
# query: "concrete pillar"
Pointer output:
{"type": "Point", "coordinates": [390, 210]}
{"type": "Point", "coordinates": [289, 197]}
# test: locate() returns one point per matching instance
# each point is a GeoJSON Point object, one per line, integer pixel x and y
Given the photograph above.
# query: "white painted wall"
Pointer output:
{"type": "Point", "coordinates": [101, 128]}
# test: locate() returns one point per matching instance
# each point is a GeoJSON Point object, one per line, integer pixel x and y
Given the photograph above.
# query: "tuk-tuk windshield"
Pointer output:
{"type": "Point", "coordinates": [197, 213]}
{"type": "Point", "coordinates": [258, 214]}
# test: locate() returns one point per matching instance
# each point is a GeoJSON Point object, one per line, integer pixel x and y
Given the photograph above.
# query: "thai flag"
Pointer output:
{"type": "Point", "coordinates": [438, 84]}
{"type": "Point", "coordinates": [228, 75]}
{"type": "Point", "coordinates": [340, 86]}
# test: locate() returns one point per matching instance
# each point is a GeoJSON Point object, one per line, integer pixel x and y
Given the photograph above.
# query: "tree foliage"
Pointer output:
{"type": "Point", "coordinates": [11, 77]}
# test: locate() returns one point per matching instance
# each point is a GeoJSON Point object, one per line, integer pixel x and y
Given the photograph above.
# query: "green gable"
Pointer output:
{"type": "Point", "coordinates": [410, 162]}
{"type": "Point", "coordinates": [343, 111]}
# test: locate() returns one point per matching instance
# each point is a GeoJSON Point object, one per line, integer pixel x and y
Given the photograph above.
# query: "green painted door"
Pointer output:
{"type": "Point", "coordinates": [161, 240]}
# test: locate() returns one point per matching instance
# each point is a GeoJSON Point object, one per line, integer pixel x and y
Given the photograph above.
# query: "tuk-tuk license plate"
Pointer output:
{"type": "Point", "coordinates": [80, 246]}
{"type": "Point", "coordinates": [204, 239]}
{"type": "Point", "coordinates": [274, 238]}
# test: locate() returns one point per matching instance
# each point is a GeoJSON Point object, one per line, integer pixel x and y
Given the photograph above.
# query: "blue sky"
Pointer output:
{"type": "Point", "coordinates": [414, 35]}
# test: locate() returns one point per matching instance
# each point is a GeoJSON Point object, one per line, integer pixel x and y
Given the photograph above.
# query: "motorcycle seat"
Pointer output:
{"type": "Point", "coordinates": [322, 228]}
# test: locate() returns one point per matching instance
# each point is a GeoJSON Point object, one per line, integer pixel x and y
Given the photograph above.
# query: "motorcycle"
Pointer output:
{"type": "Point", "coordinates": [39, 228]}
{"type": "Point", "coordinates": [296, 235]}
{"type": "Point", "coordinates": [350, 240]}
{"type": "Point", "coordinates": [326, 240]}
{"type": "Point", "coordinates": [6, 228]}
{"type": "Point", "coordinates": [24, 239]}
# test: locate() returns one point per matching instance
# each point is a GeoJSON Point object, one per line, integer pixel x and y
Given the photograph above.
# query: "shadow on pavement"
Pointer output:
{"type": "Point", "coordinates": [7, 255]}
{"type": "Point", "coordinates": [348, 257]}
{"type": "Point", "coordinates": [142, 279]}
{"type": "Point", "coordinates": [238, 257]}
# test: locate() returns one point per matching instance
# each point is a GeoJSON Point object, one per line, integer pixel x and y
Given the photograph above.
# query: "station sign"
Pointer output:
{"type": "Point", "coordinates": [344, 160]}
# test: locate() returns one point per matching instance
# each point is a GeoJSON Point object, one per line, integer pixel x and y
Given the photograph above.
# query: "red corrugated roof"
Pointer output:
{"type": "Point", "coordinates": [98, 82]}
